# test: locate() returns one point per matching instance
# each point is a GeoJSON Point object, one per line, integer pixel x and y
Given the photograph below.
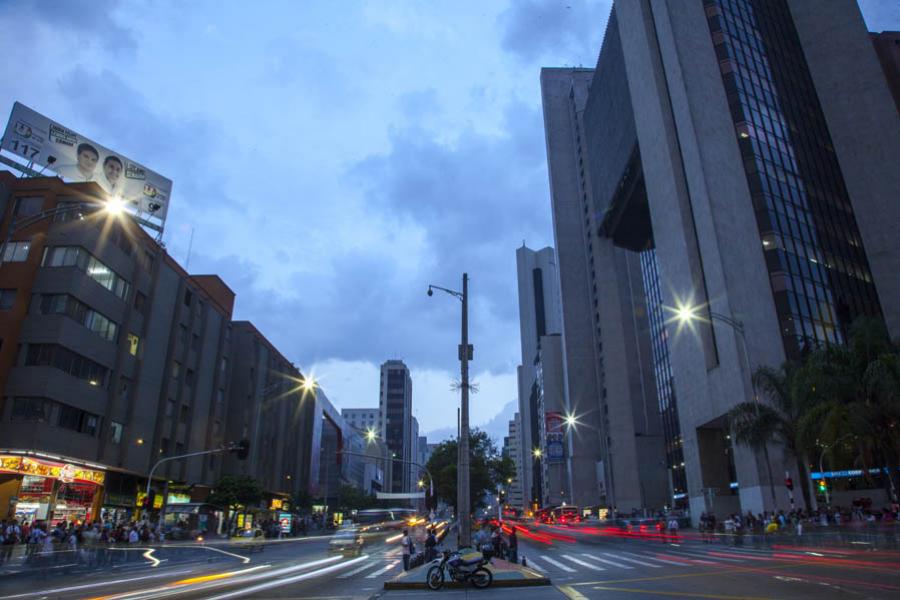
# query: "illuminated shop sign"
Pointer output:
{"type": "Point", "coordinates": [65, 472]}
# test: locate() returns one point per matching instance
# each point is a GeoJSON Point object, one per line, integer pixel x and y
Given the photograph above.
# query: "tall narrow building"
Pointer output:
{"type": "Point", "coordinates": [733, 159]}
{"type": "Point", "coordinates": [395, 409]}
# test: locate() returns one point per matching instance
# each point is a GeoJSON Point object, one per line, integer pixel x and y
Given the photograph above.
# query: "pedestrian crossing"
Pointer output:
{"type": "Point", "coordinates": [569, 563]}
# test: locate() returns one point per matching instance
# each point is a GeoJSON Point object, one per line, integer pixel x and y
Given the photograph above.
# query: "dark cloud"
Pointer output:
{"type": "Point", "coordinates": [566, 30]}
{"type": "Point", "coordinates": [93, 21]}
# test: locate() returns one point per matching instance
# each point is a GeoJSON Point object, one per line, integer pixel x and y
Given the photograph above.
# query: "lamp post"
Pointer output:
{"type": "Point", "coordinates": [825, 449]}
{"type": "Point", "coordinates": [688, 314]}
{"type": "Point", "coordinates": [463, 507]}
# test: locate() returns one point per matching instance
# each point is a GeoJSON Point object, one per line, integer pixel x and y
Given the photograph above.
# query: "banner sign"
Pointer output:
{"type": "Point", "coordinates": [76, 158]}
{"type": "Point", "coordinates": [553, 423]}
{"type": "Point", "coordinates": [399, 496]}
{"type": "Point", "coordinates": [66, 473]}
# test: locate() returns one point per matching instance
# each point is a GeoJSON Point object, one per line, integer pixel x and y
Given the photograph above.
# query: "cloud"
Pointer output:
{"type": "Point", "coordinates": [573, 29]}
{"type": "Point", "coordinates": [90, 21]}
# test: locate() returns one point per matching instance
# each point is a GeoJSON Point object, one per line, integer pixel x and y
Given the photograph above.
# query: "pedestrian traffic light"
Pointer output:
{"type": "Point", "coordinates": [241, 448]}
{"type": "Point", "coordinates": [149, 499]}
{"type": "Point", "coordinates": [823, 485]}
{"type": "Point", "coordinates": [789, 483]}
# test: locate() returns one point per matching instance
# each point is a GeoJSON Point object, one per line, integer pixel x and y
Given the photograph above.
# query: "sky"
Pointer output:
{"type": "Point", "coordinates": [332, 159]}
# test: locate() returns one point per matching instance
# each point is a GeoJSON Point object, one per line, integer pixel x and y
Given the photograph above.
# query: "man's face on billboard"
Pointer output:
{"type": "Point", "coordinates": [113, 170]}
{"type": "Point", "coordinates": [87, 162]}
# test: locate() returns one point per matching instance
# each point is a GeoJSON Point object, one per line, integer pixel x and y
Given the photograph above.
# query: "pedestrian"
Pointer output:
{"type": "Point", "coordinates": [430, 546]}
{"type": "Point", "coordinates": [673, 528]}
{"type": "Point", "coordinates": [496, 543]}
{"type": "Point", "coordinates": [513, 545]}
{"type": "Point", "coordinates": [406, 543]}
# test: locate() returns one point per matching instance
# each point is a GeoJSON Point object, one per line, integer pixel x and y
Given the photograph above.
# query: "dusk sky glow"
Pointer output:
{"type": "Point", "coordinates": [332, 160]}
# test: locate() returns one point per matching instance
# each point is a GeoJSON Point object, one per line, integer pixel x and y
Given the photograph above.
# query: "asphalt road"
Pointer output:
{"type": "Point", "coordinates": [581, 562]}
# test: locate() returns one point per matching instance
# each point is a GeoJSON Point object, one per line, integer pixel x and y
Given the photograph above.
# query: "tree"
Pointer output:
{"type": "Point", "coordinates": [350, 497]}
{"type": "Point", "coordinates": [235, 491]}
{"type": "Point", "coordinates": [487, 469]}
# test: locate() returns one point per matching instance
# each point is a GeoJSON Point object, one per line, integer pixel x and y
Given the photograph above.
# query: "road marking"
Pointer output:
{"type": "Point", "coordinates": [557, 564]}
{"type": "Point", "coordinates": [571, 593]}
{"type": "Point", "coordinates": [359, 570]}
{"type": "Point", "coordinates": [531, 565]}
{"type": "Point", "coordinates": [608, 562]}
{"type": "Point", "coordinates": [286, 580]}
{"type": "Point", "coordinates": [660, 560]}
{"type": "Point", "coordinates": [710, 556]}
{"type": "Point", "coordinates": [578, 561]}
{"type": "Point", "coordinates": [679, 594]}
{"type": "Point", "coordinates": [390, 566]}
{"type": "Point", "coordinates": [686, 558]}
{"type": "Point", "coordinates": [644, 564]}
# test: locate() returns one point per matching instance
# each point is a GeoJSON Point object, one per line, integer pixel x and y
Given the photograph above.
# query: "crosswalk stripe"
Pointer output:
{"type": "Point", "coordinates": [686, 558]}
{"type": "Point", "coordinates": [557, 564]}
{"type": "Point", "coordinates": [368, 565]}
{"type": "Point", "coordinates": [532, 565]}
{"type": "Point", "coordinates": [605, 561]}
{"type": "Point", "coordinates": [631, 560]}
{"type": "Point", "coordinates": [578, 561]}
{"type": "Point", "coordinates": [661, 560]}
{"type": "Point", "coordinates": [384, 570]}
{"type": "Point", "coordinates": [709, 557]}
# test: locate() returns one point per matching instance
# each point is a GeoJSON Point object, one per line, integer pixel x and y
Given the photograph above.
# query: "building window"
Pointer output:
{"type": "Point", "coordinates": [16, 251]}
{"type": "Point", "coordinates": [195, 342]}
{"type": "Point", "coordinates": [63, 304]}
{"type": "Point", "coordinates": [140, 303]}
{"type": "Point", "coordinates": [74, 256]}
{"type": "Point", "coordinates": [7, 299]}
{"type": "Point", "coordinates": [189, 377]}
{"type": "Point", "coordinates": [62, 358]}
{"type": "Point", "coordinates": [134, 344]}
{"type": "Point", "coordinates": [115, 432]}
{"type": "Point", "coordinates": [176, 369]}
{"type": "Point", "coordinates": [170, 407]}
{"type": "Point", "coordinates": [31, 409]}
{"type": "Point", "coordinates": [27, 207]}
{"type": "Point", "coordinates": [223, 367]}
{"type": "Point", "coordinates": [183, 414]}
{"type": "Point", "coordinates": [188, 297]}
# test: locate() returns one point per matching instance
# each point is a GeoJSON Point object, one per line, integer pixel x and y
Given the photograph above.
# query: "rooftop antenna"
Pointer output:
{"type": "Point", "coordinates": [187, 263]}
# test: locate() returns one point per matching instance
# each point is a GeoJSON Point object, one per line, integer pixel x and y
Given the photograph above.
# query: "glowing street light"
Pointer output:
{"type": "Point", "coordinates": [421, 483]}
{"type": "Point", "coordinates": [536, 452]}
{"type": "Point", "coordinates": [571, 420]}
{"type": "Point", "coordinates": [370, 435]}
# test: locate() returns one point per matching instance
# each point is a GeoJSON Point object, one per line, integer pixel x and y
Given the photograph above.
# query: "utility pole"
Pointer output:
{"type": "Point", "coordinates": [462, 489]}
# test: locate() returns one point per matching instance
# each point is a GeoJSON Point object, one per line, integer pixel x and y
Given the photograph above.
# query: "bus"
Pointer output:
{"type": "Point", "coordinates": [543, 515]}
{"type": "Point", "coordinates": [386, 519]}
{"type": "Point", "coordinates": [567, 515]}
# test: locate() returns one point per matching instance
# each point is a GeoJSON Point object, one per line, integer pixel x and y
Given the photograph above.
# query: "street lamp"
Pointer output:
{"type": "Point", "coordinates": [370, 435]}
{"type": "Point", "coordinates": [464, 516]}
{"type": "Point", "coordinates": [687, 314]}
{"type": "Point", "coordinates": [536, 452]}
{"type": "Point", "coordinates": [113, 207]}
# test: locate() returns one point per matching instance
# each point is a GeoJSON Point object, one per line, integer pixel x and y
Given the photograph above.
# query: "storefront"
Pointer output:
{"type": "Point", "coordinates": [45, 490]}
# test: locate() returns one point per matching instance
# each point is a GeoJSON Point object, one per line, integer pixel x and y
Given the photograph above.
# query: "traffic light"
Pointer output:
{"type": "Point", "coordinates": [823, 485]}
{"type": "Point", "coordinates": [241, 448]}
{"type": "Point", "coordinates": [149, 499]}
{"type": "Point", "coordinates": [789, 483]}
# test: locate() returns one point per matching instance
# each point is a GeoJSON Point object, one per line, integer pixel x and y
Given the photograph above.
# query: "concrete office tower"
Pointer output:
{"type": "Point", "coordinates": [606, 337]}
{"type": "Point", "coordinates": [512, 447]}
{"type": "Point", "coordinates": [415, 473]}
{"type": "Point", "coordinates": [539, 314]}
{"type": "Point", "coordinates": [395, 409]}
{"type": "Point", "coordinates": [750, 144]}
{"type": "Point", "coordinates": [364, 419]}
{"type": "Point", "coordinates": [887, 47]}
{"type": "Point", "coordinates": [268, 408]}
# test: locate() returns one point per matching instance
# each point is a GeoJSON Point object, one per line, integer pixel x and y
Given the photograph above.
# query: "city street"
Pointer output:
{"type": "Point", "coordinates": [581, 562]}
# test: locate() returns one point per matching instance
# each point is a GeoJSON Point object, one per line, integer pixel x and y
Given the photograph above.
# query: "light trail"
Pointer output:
{"type": "Point", "coordinates": [87, 586]}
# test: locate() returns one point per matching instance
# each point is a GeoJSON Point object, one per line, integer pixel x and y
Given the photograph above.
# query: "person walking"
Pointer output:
{"type": "Point", "coordinates": [406, 542]}
{"type": "Point", "coordinates": [430, 546]}
{"type": "Point", "coordinates": [513, 545]}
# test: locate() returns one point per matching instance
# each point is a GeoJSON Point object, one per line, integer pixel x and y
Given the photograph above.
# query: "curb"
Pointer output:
{"type": "Point", "coordinates": [502, 583]}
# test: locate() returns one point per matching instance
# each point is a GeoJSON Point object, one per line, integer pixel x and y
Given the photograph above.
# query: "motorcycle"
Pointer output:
{"type": "Point", "coordinates": [459, 570]}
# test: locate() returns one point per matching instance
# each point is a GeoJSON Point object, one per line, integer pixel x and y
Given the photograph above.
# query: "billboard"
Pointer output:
{"type": "Point", "coordinates": [73, 157]}
{"type": "Point", "coordinates": [553, 422]}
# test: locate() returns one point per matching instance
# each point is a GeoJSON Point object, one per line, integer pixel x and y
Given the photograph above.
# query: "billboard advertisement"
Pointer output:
{"type": "Point", "coordinates": [75, 158]}
{"type": "Point", "coordinates": [553, 422]}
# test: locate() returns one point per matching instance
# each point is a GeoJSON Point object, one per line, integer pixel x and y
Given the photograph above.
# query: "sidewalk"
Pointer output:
{"type": "Point", "coordinates": [506, 575]}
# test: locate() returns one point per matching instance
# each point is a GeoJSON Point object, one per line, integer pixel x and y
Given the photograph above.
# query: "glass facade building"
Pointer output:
{"type": "Point", "coordinates": [818, 269]}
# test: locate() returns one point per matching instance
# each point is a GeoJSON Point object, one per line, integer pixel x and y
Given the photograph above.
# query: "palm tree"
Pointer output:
{"type": "Point", "coordinates": [757, 424]}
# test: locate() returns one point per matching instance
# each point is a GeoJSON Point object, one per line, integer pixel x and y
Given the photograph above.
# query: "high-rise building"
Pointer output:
{"type": "Point", "coordinates": [887, 47]}
{"type": "Point", "coordinates": [395, 409]}
{"type": "Point", "coordinates": [364, 419]}
{"type": "Point", "coordinates": [512, 447]}
{"type": "Point", "coordinates": [732, 159]}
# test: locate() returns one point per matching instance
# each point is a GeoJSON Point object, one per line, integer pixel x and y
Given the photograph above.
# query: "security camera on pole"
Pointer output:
{"type": "Point", "coordinates": [463, 508]}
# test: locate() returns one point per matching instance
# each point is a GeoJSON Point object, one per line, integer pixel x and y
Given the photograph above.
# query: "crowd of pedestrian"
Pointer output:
{"type": "Point", "coordinates": [94, 544]}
